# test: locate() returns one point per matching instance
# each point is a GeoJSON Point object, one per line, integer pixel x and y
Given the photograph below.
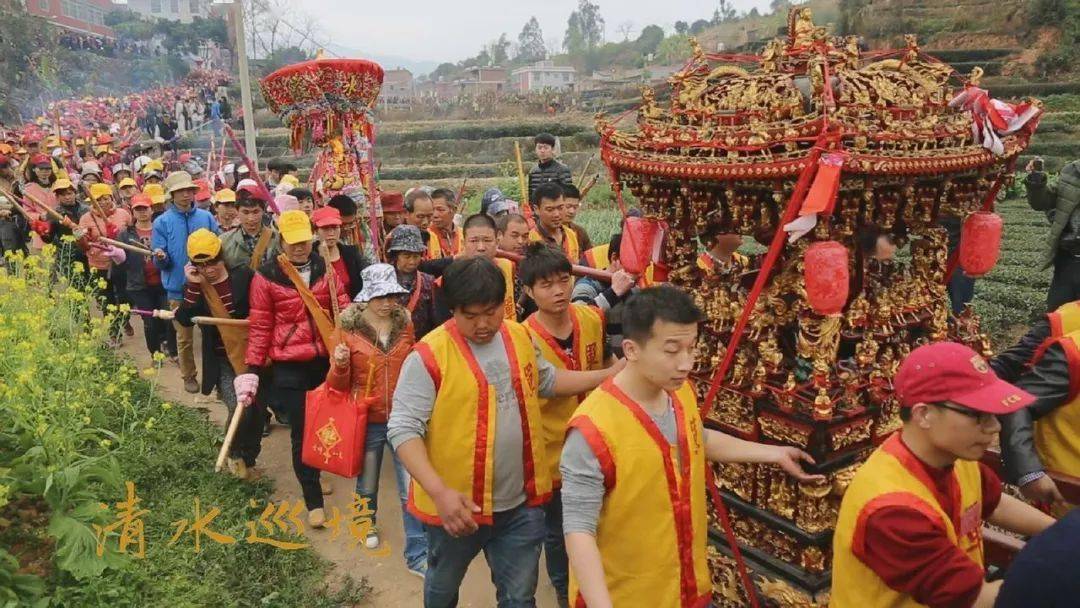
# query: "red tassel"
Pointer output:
{"type": "Point", "coordinates": [821, 198]}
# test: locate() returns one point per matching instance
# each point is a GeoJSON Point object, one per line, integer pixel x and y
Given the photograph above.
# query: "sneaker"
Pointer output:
{"type": "Point", "coordinates": [190, 385]}
{"type": "Point", "coordinates": [325, 486]}
{"type": "Point", "coordinates": [238, 468]}
{"type": "Point", "coordinates": [316, 518]}
{"type": "Point", "coordinates": [372, 540]}
{"type": "Point", "coordinates": [418, 571]}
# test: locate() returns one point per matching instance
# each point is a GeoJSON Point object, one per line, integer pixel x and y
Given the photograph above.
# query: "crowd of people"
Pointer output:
{"type": "Point", "coordinates": [108, 47]}
{"type": "Point", "coordinates": [526, 411]}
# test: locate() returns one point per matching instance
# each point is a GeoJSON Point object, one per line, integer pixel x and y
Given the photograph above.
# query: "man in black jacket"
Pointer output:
{"type": "Point", "coordinates": [213, 290]}
{"type": "Point", "coordinates": [547, 169]}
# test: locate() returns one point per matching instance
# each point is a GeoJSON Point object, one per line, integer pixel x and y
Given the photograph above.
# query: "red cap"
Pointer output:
{"type": "Point", "coordinates": [204, 193]}
{"type": "Point", "coordinates": [141, 200]}
{"type": "Point", "coordinates": [326, 216]}
{"type": "Point", "coordinates": [392, 202]}
{"type": "Point", "coordinates": [40, 159]}
{"type": "Point", "coordinates": [4, 159]}
{"type": "Point", "coordinates": [253, 190]}
{"type": "Point", "coordinates": [948, 371]}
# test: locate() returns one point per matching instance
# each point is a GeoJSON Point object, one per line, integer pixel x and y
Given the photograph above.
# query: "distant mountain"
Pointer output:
{"type": "Point", "coordinates": [389, 62]}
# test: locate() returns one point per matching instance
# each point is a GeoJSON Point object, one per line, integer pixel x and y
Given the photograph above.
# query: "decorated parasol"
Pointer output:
{"type": "Point", "coordinates": [330, 101]}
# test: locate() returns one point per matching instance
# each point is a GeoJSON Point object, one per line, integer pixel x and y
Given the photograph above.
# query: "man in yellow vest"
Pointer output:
{"type": "Point", "coordinates": [1045, 436]}
{"type": "Point", "coordinates": [633, 468]}
{"type": "Point", "coordinates": [1015, 360]}
{"type": "Point", "coordinates": [547, 202]}
{"type": "Point", "coordinates": [910, 526]}
{"type": "Point", "coordinates": [466, 422]}
{"type": "Point", "coordinates": [445, 239]}
{"type": "Point", "coordinates": [569, 336]}
{"type": "Point", "coordinates": [723, 254]}
{"type": "Point", "coordinates": [480, 240]}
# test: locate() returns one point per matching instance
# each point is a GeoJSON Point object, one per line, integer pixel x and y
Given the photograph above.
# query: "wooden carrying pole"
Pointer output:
{"type": "Point", "coordinates": [230, 433]}
{"type": "Point", "coordinates": [219, 321]}
{"type": "Point", "coordinates": [61, 218]}
{"type": "Point", "coordinates": [576, 269]}
{"type": "Point", "coordinates": [523, 184]}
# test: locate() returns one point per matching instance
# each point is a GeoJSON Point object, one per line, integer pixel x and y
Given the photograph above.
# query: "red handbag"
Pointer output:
{"type": "Point", "coordinates": [335, 427]}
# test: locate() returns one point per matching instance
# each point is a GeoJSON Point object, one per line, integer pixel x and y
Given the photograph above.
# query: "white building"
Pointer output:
{"type": "Point", "coordinates": [543, 75]}
{"type": "Point", "coordinates": [171, 10]}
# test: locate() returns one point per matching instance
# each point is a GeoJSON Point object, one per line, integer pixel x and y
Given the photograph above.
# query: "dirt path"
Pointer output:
{"type": "Point", "coordinates": [392, 583]}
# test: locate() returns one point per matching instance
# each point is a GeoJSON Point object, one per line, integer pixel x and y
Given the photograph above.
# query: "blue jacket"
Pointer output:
{"type": "Point", "coordinates": [171, 230]}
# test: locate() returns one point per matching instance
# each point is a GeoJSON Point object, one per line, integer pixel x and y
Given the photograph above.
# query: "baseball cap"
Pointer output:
{"type": "Point", "coordinates": [155, 192]}
{"type": "Point", "coordinates": [225, 195]}
{"type": "Point", "coordinates": [62, 184]}
{"type": "Point", "coordinates": [392, 202]}
{"type": "Point", "coordinates": [40, 159]}
{"type": "Point", "coordinates": [295, 227]}
{"type": "Point", "coordinates": [99, 190]}
{"type": "Point", "coordinates": [204, 192]}
{"type": "Point", "coordinates": [949, 371]}
{"type": "Point", "coordinates": [141, 200]}
{"type": "Point", "coordinates": [326, 216]}
{"type": "Point", "coordinates": [127, 181]}
{"type": "Point", "coordinates": [203, 245]}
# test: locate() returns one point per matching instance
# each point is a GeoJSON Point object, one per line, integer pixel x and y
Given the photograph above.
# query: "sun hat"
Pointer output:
{"type": "Point", "coordinates": [179, 180]}
{"type": "Point", "coordinates": [380, 280]}
{"type": "Point", "coordinates": [406, 238]}
{"type": "Point", "coordinates": [295, 227]}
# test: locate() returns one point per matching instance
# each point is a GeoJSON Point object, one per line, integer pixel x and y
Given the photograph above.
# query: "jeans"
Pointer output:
{"type": "Point", "coordinates": [558, 564]}
{"type": "Point", "coordinates": [961, 289]}
{"type": "Point", "coordinates": [511, 546]}
{"type": "Point", "coordinates": [367, 486]}
{"type": "Point", "coordinates": [154, 330]}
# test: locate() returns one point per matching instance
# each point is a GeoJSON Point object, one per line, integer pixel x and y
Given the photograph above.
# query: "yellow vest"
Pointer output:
{"type": "Point", "coordinates": [460, 438]}
{"type": "Point", "coordinates": [1064, 320]}
{"type": "Point", "coordinates": [570, 244]}
{"type": "Point", "coordinates": [893, 476]}
{"type": "Point", "coordinates": [588, 354]}
{"type": "Point", "coordinates": [653, 554]}
{"type": "Point", "coordinates": [1057, 434]}
{"type": "Point", "coordinates": [509, 297]}
{"type": "Point", "coordinates": [439, 246]}
{"type": "Point", "coordinates": [598, 257]}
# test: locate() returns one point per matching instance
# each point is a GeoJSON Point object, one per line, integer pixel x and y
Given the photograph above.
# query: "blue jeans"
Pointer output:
{"type": "Point", "coordinates": [511, 546]}
{"type": "Point", "coordinates": [555, 558]}
{"type": "Point", "coordinates": [367, 486]}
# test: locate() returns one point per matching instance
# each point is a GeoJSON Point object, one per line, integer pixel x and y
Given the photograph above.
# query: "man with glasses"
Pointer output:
{"type": "Point", "coordinates": [480, 240]}
{"type": "Point", "coordinates": [910, 526]}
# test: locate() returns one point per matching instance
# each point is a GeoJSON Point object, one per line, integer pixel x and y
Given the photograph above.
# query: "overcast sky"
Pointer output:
{"type": "Point", "coordinates": [450, 30]}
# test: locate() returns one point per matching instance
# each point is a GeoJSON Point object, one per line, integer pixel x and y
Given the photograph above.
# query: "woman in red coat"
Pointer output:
{"type": "Point", "coordinates": [377, 335]}
{"type": "Point", "coordinates": [285, 332]}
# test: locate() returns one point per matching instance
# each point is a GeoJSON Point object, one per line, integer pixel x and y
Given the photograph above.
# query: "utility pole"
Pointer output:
{"type": "Point", "coordinates": [245, 82]}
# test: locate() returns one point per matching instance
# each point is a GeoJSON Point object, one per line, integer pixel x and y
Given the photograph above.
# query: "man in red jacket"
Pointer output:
{"type": "Point", "coordinates": [291, 304]}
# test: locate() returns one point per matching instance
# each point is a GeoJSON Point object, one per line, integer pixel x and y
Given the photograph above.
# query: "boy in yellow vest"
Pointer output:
{"type": "Point", "coordinates": [466, 423]}
{"type": "Point", "coordinates": [633, 468]}
{"type": "Point", "coordinates": [910, 526]}
{"type": "Point", "coordinates": [550, 209]}
{"type": "Point", "coordinates": [569, 336]}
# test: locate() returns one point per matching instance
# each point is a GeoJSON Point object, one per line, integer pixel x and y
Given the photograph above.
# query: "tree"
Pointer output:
{"type": "Point", "coordinates": [726, 11]}
{"type": "Point", "coordinates": [531, 43]}
{"type": "Point", "coordinates": [699, 26]}
{"type": "Point", "coordinates": [681, 27]}
{"type": "Point", "coordinates": [650, 39]}
{"type": "Point", "coordinates": [673, 49]}
{"type": "Point", "coordinates": [625, 28]}
{"type": "Point", "coordinates": [443, 71]}
{"type": "Point", "coordinates": [498, 50]}
{"type": "Point", "coordinates": [753, 13]}
{"type": "Point", "coordinates": [584, 29]}
{"type": "Point", "coordinates": [780, 5]}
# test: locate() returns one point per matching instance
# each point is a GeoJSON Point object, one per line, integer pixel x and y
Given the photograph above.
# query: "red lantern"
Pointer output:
{"type": "Point", "coordinates": [642, 243]}
{"type": "Point", "coordinates": [980, 243]}
{"type": "Point", "coordinates": [825, 271]}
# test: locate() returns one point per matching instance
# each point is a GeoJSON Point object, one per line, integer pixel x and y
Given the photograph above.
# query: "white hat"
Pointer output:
{"type": "Point", "coordinates": [380, 280]}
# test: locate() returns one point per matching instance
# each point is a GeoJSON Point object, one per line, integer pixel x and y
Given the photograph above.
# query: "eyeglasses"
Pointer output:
{"type": "Point", "coordinates": [205, 263]}
{"type": "Point", "coordinates": [983, 418]}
